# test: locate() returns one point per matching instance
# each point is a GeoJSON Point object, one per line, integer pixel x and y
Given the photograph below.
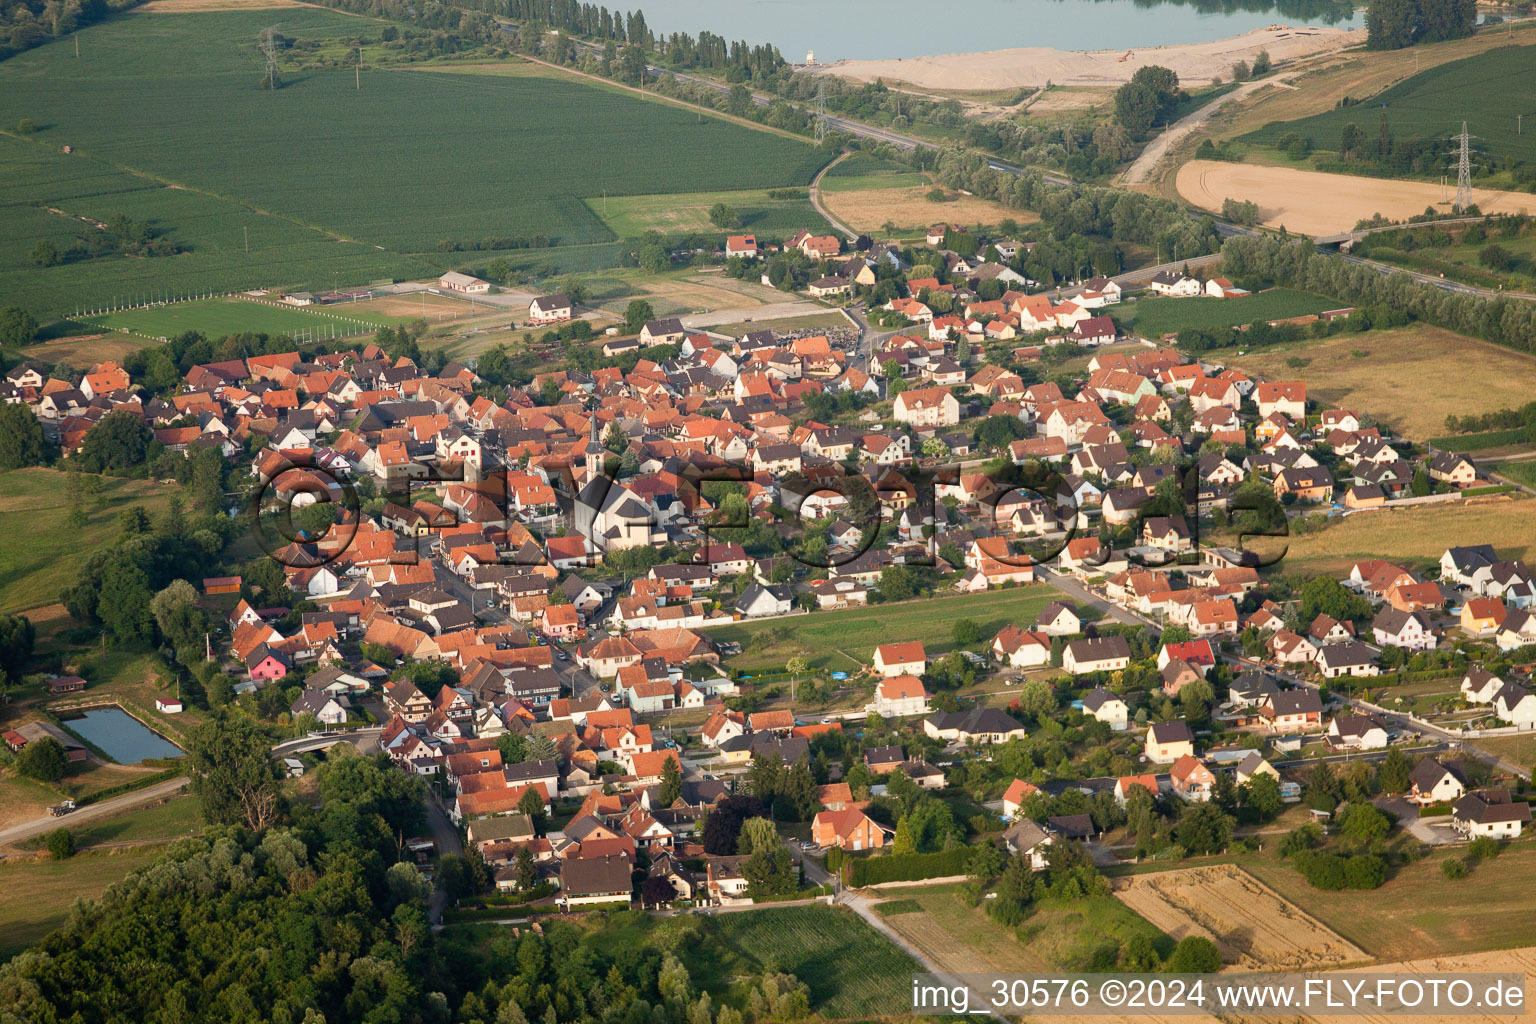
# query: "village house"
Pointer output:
{"type": "Point", "coordinates": [1168, 741]}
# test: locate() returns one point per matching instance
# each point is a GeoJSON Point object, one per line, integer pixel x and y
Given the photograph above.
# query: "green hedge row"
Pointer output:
{"type": "Point", "coordinates": [909, 867]}
{"type": "Point", "coordinates": [128, 787]}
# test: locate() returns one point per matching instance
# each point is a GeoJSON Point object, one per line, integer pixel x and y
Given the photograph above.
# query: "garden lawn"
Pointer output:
{"type": "Point", "coordinates": [846, 640]}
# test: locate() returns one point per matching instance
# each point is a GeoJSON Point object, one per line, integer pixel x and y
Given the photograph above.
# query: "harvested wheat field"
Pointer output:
{"type": "Point", "coordinates": [1255, 929]}
{"type": "Point", "coordinates": [1319, 203]}
{"type": "Point", "coordinates": [869, 210]}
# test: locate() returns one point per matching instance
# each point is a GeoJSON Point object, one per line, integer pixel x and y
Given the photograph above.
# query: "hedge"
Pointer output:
{"type": "Point", "coordinates": [1479, 442]}
{"type": "Point", "coordinates": [128, 787]}
{"type": "Point", "coordinates": [909, 867]}
{"type": "Point", "coordinates": [498, 913]}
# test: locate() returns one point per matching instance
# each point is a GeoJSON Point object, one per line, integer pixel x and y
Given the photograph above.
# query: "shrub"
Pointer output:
{"type": "Point", "coordinates": [910, 867]}
{"type": "Point", "coordinates": [61, 844]}
{"type": "Point", "coordinates": [1483, 848]}
{"type": "Point", "coordinates": [1195, 954]}
{"type": "Point", "coordinates": [1366, 871]}
{"type": "Point", "coordinates": [1453, 868]}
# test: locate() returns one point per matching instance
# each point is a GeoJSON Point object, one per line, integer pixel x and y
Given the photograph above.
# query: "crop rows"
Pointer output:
{"type": "Point", "coordinates": [412, 159]}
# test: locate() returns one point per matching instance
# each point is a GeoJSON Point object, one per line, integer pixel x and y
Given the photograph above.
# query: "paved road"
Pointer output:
{"type": "Point", "coordinates": [815, 194]}
{"type": "Point", "coordinates": [90, 812]}
{"type": "Point", "coordinates": [446, 834]}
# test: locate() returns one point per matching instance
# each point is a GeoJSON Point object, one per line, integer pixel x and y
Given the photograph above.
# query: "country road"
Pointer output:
{"type": "Point", "coordinates": [91, 812]}
{"type": "Point", "coordinates": [1159, 146]}
{"type": "Point", "coordinates": [815, 194]}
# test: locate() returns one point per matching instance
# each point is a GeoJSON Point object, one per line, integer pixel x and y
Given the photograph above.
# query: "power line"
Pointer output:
{"type": "Point", "coordinates": [1463, 170]}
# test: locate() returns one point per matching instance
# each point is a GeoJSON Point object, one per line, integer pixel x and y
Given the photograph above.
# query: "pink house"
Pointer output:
{"type": "Point", "coordinates": [265, 663]}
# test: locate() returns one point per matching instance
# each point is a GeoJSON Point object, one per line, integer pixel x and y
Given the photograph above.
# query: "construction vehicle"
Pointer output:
{"type": "Point", "coordinates": [1128, 55]}
{"type": "Point", "coordinates": [64, 808]}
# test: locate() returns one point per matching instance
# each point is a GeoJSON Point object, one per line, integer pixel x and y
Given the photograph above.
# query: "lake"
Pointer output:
{"type": "Point", "coordinates": [125, 739]}
{"type": "Point", "coordinates": [872, 29]}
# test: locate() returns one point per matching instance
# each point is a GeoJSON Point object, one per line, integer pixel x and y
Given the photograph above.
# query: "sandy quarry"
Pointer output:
{"type": "Point", "coordinates": [1319, 203]}
{"type": "Point", "coordinates": [1195, 63]}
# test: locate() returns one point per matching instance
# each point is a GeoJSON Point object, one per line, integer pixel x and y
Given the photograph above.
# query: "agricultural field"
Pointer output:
{"type": "Point", "coordinates": [212, 232]}
{"type": "Point", "coordinates": [1516, 749]}
{"type": "Point", "coordinates": [1387, 375]}
{"type": "Point", "coordinates": [1411, 536]}
{"type": "Point", "coordinates": [867, 193]}
{"type": "Point", "coordinates": [1324, 203]}
{"type": "Point", "coordinates": [1520, 472]}
{"type": "Point", "coordinates": [1418, 912]}
{"type": "Point", "coordinates": [39, 559]}
{"type": "Point", "coordinates": [846, 640]}
{"type": "Point", "coordinates": [1433, 104]}
{"type": "Point", "coordinates": [633, 216]}
{"type": "Point", "coordinates": [51, 888]}
{"type": "Point", "coordinates": [227, 315]}
{"type": "Point", "coordinates": [1058, 934]}
{"type": "Point", "coordinates": [82, 351]}
{"type": "Point", "coordinates": [1252, 926]}
{"type": "Point", "coordinates": [852, 970]}
{"type": "Point", "coordinates": [194, 98]}
{"type": "Point", "coordinates": [1154, 317]}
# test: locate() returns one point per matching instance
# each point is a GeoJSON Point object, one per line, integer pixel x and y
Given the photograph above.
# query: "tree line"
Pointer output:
{"type": "Point", "coordinates": [1297, 263]}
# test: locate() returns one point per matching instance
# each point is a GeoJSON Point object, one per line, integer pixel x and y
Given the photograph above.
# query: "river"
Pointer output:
{"type": "Point", "coordinates": [873, 29]}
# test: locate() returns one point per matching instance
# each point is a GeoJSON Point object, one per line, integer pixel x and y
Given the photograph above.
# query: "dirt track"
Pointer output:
{"type": "Point", "coordinates": [1318, 203]}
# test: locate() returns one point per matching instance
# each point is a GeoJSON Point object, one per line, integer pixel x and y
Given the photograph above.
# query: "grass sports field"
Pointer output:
{"type": "Point", "coordinates": [167, 98]}
{"type": "Point", "coordinates": [843, 640]}
{"type": "Point", "coordinates": [40, 556]}
{"type": "Point", "coordinates": [1433, 103]}
{"type": "Point", "coordinates": [215, 317]}
{"type": "Point", "coordinates": [1410, 379]}
{"type": "Point", "coordinates": [632, 216]}
{"type": "Point", "coordinates": [1158, 316]}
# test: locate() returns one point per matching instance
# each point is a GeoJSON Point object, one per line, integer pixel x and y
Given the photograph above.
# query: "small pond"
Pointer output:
{"type": "Point", "coordinates": [124, 738]}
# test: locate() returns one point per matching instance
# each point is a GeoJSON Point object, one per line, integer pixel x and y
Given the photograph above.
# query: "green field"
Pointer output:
{"type": "Point", "coordinates": [1154, 317]}
{"type": "Point", "coordinates": [861, 182]}
{"type": "Point", "coordinates": [217, 317]}
{"type": "Point", "coordinates": [632, 216]}
{"type": "Point", "coordinates": [844, 639]}
{"type": "Point", "coordinates": [212, 231]}
{"type": "Point", "coordinates": [410, 160]}
{"type": "Point", "coordinates": [40, 556]}
{"type": "Point", "coordinates": [805, 322]}
{"type": "Point", "coordinates": [1520, 472]}
{"type": "Point", "coordinates": [1485, 91]}
{"type": "Point", "coordinates": [852, 970]}
{"type": "Point", "coordinates": [154, 824]}
{"type": "Point", "coordinates": [51, 887]}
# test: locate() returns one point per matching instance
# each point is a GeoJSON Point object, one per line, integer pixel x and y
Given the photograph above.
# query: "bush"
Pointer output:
{"type": "Point", "coordinates": [61, 843]}
{"type": "Point", "coordinates": [1195, 954]}
{"type": "Point", "coordinates": [1366, 871]}
{"type": "Point", "coordinates": [1453, 868]}
{"type": "Point", "coordinates": [1483, 848]}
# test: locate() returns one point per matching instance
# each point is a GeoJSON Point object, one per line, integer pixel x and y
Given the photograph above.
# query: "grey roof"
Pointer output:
{"type": "Point", "coordinates": [1490, 807]}
{"type": "Point", "coordinates": [975, 721]}
{"type": "Point", "coordinates": [595, 876]}
{"type": "Point", "coordinates": [1301, 701]}
{"type": "Point", "coordinates": [1171, 732]}
{"type": "Point", "coordinates": [1098, 697]}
